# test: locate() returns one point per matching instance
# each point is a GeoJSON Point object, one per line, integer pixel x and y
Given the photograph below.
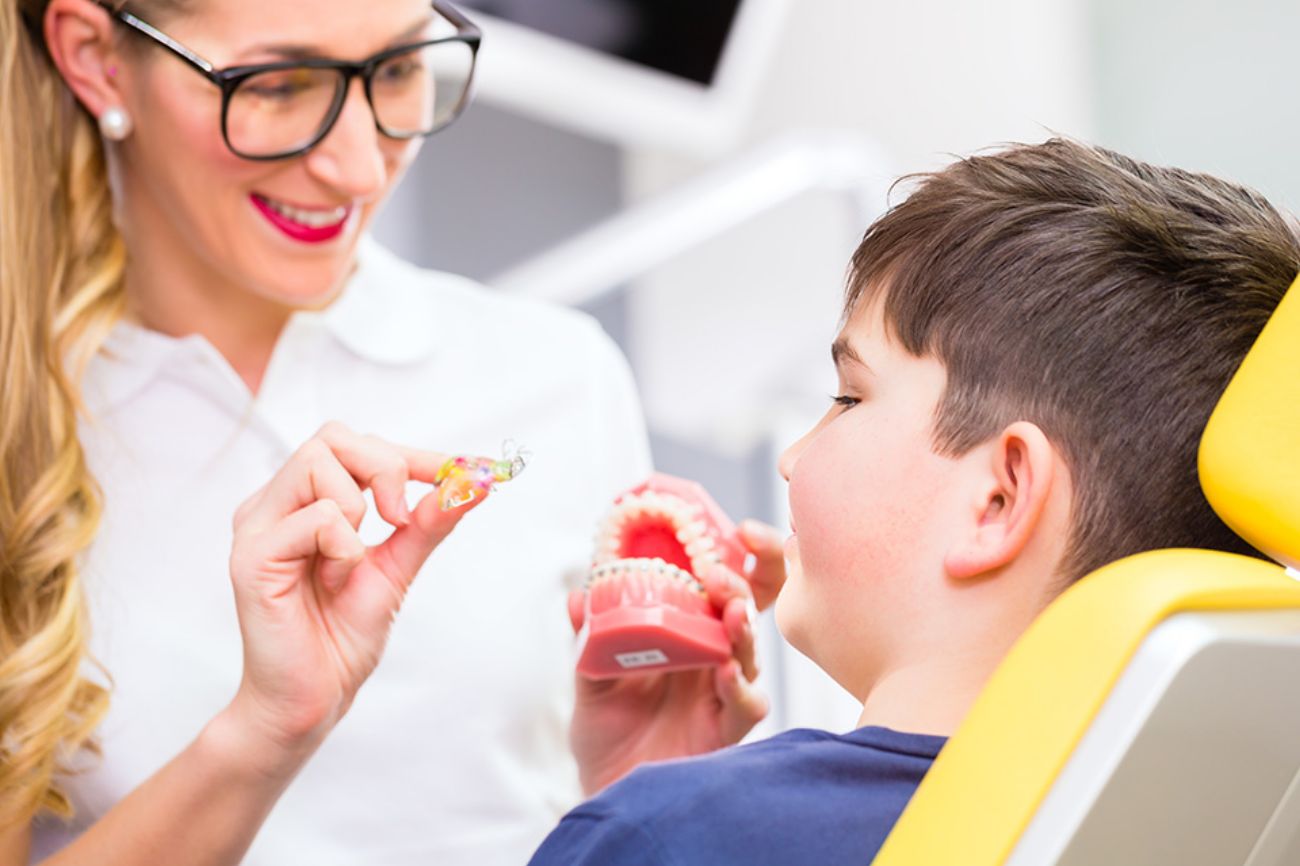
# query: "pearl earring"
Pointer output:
{"type": "Point", "coordinates": [114, 123]}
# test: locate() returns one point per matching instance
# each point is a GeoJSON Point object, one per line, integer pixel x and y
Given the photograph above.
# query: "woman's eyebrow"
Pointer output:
{"type": "Point", "coordinates": [298, 51]}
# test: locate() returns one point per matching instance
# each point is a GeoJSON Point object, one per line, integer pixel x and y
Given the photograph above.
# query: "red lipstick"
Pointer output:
{"type": "Point", "coordinates": [296, 230]}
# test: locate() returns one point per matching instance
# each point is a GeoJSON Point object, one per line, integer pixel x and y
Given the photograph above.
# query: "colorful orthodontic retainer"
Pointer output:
{"type": "Point", "coordinates": [463, 479]}
{"type": "Point", "coordinates": [646, 608]}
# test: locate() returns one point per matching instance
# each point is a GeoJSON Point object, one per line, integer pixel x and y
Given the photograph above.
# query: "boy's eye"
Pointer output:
{"type": "Point", "coordinates": [845, 401]}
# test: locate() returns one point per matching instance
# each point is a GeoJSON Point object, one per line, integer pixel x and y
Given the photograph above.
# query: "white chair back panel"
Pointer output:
{"type": "Point", "coordinates": [1192, 760]}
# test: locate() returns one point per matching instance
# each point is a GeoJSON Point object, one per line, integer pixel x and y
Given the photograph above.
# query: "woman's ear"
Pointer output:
{"type": "Point", "coordinates": [79, 35]}
{"type": "Point", "coordinates": [1014, 489]}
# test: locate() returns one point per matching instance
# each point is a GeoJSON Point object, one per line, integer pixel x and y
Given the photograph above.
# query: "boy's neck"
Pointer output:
{"type": "Point", "coordinates": [931, 696]}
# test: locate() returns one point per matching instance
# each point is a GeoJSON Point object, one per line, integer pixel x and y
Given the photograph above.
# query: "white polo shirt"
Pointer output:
{"type": "Point", "coordinates": [454, 751]}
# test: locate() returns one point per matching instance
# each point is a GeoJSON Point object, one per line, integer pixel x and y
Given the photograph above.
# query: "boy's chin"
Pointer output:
{"type": "Point", "coordinates": [788, 621]}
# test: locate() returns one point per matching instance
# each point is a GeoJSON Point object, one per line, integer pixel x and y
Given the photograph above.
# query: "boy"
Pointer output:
{"type": "Point", "coordinates": [1032, 344]}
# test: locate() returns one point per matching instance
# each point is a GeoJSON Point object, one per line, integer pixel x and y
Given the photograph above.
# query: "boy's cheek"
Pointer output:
{"type": "Point", "coordinates": [799, 610]}
{"type": "Point", "coordinates": [832, 487]}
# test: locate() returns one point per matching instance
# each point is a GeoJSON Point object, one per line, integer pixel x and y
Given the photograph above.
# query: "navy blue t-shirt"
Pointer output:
{"type": "Point", "coordinates": [802, 797]}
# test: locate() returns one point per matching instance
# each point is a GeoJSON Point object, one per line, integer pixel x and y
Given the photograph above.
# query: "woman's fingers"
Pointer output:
{"type": "Point", "coordinates": [374, 464]}
{"type": "Point", "coordinates": [319, 530]}
{"type": "Point", "coordinates": [339, 464]}
{"type": "Point", "coordinates": [401, 556]}
{"type": "Point", "coordinates": [312, 472]}
{"type": "Point", "coordinates": [336, 465]}
{"type": "Point", "coordinates": [329, 480]}
{"type": "Point", "coordinates": [309, 470]}
{"type": "Point", "coordinates": [422, 465]}
{"type": "Point", "coordinates": [339, 548]}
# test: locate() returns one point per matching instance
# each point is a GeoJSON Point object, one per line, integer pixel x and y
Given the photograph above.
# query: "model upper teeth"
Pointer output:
{"type": "Point", "coordinates": [684, 518]}
{"type": "Point", "coordinates": [311, 218]}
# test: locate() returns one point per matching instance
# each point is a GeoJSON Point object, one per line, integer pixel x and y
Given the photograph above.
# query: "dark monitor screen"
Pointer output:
{"type": "Point", "coordinates": [681, 37]}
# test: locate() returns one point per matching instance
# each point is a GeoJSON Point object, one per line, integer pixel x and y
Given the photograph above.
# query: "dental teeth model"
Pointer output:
{"type": "Point", "coordinates": [646, 609]}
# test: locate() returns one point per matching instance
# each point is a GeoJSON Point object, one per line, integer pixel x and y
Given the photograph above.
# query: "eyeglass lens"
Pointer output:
{"type": "Point", "coordinates": [412, 93]}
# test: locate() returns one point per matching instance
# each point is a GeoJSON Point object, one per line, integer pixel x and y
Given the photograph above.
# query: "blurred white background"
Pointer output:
{"type": "Point", "coordinates": [729, 338]}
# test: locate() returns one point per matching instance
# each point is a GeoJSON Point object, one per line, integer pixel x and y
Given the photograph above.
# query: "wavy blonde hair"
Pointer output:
{"type": "Point", "coordinates": [61, 266]}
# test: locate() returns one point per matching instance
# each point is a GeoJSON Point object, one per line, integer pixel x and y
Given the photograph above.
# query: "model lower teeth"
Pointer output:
{"type": "Point", "coordinates": [645, 583]}
{"type": "Point", "coordinates": [632, 567]}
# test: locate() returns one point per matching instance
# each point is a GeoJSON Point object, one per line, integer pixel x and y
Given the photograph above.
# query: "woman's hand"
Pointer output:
{"type": "Point", "coordinates": [622, 722]}
{"type": "Point", "coordinates": [314, 603]}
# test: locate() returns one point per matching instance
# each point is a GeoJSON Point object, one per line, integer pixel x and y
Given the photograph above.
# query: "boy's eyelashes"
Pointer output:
{"type": "Point", "coordinates": [844, 400]}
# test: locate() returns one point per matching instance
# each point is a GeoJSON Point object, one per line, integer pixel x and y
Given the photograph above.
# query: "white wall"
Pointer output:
{"type": "Point", "coordinates": [1204, 85]}
{"type": "Point", "coordinates": [752, 311]}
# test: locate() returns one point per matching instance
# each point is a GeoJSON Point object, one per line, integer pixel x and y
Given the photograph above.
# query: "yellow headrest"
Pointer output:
{"type": "Point", "coordinates": [1250, 452]}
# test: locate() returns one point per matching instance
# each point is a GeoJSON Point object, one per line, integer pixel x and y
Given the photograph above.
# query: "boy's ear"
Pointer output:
{"type": "Point", "coordinates": [79, 35]}
{"type": "Point", "coordinates": [1009, 505]}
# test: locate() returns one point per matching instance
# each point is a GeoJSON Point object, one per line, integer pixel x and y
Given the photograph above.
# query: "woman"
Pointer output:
{"type": "Point", "coordinates": [186, 184]}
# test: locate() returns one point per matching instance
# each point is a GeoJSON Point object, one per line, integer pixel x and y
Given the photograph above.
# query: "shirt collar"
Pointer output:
{"type": "Point", "coordinates": [387, 313]}
{"type": "Point", "coordinates": [130, 359]}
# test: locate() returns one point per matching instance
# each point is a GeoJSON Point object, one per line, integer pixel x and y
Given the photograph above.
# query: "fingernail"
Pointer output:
{"type": "Point", "coordinates": [403, 512]}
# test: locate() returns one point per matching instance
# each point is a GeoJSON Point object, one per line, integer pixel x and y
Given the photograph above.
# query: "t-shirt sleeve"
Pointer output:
{"type": "Point", "coordinates": [587, 839]}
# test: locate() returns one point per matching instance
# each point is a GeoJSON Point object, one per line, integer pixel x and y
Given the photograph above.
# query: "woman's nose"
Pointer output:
{"type": "Point", "coordinates": [350, 158]}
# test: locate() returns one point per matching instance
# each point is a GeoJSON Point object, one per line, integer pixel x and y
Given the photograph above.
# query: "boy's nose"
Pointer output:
{"type": "Point", "coordinates": [785, 464]}
{"type": "Point", "coordinates": [790, 456]}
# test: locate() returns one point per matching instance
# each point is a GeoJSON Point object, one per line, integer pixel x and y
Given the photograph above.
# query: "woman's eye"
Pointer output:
{"type": "Point", "coordinates": [280, 86]}
{"type": "Point", "coordinates": [399, 69]}
{"type": "Point", "coordinates": [845, 401]}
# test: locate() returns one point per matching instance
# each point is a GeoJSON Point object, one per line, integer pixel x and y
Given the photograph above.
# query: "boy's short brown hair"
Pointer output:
{"type": "Point", "coordinates": [1107, 300]}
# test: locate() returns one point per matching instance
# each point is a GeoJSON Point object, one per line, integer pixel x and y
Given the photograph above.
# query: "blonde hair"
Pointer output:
{"type": "Point", "coordinates": [61, 265]}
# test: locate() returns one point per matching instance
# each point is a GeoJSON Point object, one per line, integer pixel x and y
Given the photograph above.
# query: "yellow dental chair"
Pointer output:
{"type": "Point", "coordinates": [1152, 714]}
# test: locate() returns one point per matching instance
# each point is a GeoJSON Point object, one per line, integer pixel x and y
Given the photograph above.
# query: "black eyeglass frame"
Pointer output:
{"type": "Point", "coordinates": [229, 78]}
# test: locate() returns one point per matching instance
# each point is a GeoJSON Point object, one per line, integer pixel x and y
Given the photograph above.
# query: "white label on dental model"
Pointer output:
{"type": "Point", "coordinates": [641, 659]}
